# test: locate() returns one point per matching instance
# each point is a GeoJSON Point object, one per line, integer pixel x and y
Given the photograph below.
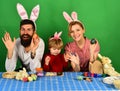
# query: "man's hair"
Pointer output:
{"type": "Point", "coordinates": [27, 21]}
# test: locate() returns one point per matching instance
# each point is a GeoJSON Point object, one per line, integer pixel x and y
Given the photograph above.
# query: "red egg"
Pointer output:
{"type": "Point", "coordinates": [25, 79]}
{"type": "Point", "coordinates": [35, 36]}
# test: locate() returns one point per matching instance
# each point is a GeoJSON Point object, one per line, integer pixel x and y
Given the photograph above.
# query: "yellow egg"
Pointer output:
{"type": "Point", "coordinates": [30, 79]}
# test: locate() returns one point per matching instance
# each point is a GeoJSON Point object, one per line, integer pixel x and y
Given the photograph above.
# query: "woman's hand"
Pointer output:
{"type": "Point", "coordinates": [93, 56]}
{"type": "Point", "coordinates": [74, 58]}
{"type": "Point", "coordinates": [75, 61]}
{"type": "Point", "coordinates": [66, 56]}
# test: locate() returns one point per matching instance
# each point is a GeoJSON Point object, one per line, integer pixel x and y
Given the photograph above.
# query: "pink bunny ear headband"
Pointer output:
{"type": "Point", "coordinates": [23, 14]}
{"type": "Point", "coordinates": [72, 18]}
{"type": "Point", "coordinates": [56, 36]}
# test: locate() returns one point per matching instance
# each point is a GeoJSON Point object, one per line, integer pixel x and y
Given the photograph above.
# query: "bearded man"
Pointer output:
{"type": "Point", "coordinates": [29, 48]}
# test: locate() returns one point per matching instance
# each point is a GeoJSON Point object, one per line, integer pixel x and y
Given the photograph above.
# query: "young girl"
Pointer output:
{"type": "Point", "coordinates": [54, 61]}
{"type": "Point", "coordinates": [81, 52]}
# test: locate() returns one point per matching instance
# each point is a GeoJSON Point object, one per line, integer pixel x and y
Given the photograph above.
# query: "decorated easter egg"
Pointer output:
{"type": "Point", "coordinates": [93, 41]}
{"type": "Point", "coordinates": [30, 79]}
{"type": "Point", "coordinates": [34, 76]}
{"type": "Point", "coordinates": [25, 79]}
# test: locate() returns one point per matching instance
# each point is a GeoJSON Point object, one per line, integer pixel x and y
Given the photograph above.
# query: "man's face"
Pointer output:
{"type": "Point", "coordinates": [26, 34]}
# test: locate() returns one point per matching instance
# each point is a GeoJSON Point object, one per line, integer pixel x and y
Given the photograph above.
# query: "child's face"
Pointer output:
{"type": "Point", "coordinates": [54, 51]}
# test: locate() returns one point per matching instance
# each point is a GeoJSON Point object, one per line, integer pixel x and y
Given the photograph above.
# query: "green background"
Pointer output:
{"type": "Point", "coordinates": [100, 17]}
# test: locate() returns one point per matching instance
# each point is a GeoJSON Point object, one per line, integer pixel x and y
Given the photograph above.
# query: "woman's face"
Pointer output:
{"type": "Point", "coordinates": [77, 33]}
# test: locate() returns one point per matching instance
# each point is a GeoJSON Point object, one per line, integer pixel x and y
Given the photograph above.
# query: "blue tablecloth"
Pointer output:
{"type": "Point", "coordinates": [67, 82]}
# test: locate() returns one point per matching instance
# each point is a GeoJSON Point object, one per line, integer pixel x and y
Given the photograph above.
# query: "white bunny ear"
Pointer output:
{"type": "Point", "coordinates": [21, 11]}
{"type": "Point", "coordinates": [74, 16]}
{"type": "Point", "coordinates": [34, 13]}
{"type": "Point", "coordinates": [55, 33]}
{"type": "Point", "coordinates": [59, 34]}
{"type": "Point", "coordinates": [67, 17]}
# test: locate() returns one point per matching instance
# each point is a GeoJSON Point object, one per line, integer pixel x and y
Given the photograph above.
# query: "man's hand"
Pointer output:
{"type": "Point", "coordinates": [8, 41]}
{"type": "Point", "coordinates": [9, 44]}
{"type": "Point", "coordinates": [35, 42]}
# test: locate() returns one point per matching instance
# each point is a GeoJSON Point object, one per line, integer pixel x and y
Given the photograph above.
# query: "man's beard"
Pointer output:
{"type": "Point", "coordinates": [26, 42]}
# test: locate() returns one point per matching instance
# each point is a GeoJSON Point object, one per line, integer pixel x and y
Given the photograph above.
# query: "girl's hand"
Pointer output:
{"type": "Point", "coordinates": [47, 60]}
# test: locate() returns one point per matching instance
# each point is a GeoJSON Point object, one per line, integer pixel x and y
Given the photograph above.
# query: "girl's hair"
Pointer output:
{"type": "Point", "coordinates": [74, 23]}
{"type": "Point", "coordinates": [56, 43]}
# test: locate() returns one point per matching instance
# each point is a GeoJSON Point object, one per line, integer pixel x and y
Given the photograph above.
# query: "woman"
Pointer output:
{"type": "Point", "coordinates": [81, 53]}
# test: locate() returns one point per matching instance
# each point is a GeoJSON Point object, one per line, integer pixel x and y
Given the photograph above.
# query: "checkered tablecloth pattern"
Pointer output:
{"type": "Point", "coordinates": [67, 82]}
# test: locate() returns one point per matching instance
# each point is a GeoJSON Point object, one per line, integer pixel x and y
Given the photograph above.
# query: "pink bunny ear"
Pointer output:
{"type": "Point", "coordinates": [67, 17]}
{"type": "Point", "coordinates": [56, 36]}
{"type": "Point", "coordinates": [21, 11]}
{"type": "Point", "coordinates": [34, 13]}
{"type": "Point", "coordinates": [74, 16]}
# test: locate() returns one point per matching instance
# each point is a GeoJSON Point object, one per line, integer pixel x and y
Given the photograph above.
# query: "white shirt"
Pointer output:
{"type": "Point", "coordinates": [25, 57]}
